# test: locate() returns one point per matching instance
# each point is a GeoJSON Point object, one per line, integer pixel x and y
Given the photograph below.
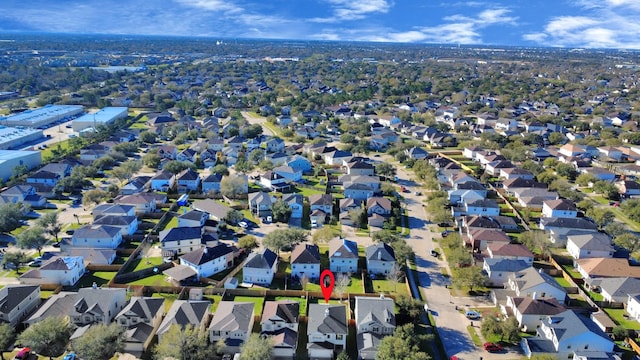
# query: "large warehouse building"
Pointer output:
{"type": "Point", "coordinates": [11, 138]}
{"type": "Point", "coordinates": [103, 117]}
{"type": "Point", "coordinates": [42, 116]}
{"type": "Point", "coordinates": [9, 159]}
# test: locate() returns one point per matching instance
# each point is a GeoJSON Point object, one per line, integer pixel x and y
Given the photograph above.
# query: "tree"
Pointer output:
{"type": "Point", "coordinates": [343, 356]}
{"type": "Point", "coordinates": [51, 224]}
{"type": "Point", "coordinates": [256, 156]}
{"type": "Point", "coordinates": [396, 275]}
{"type": "Point", "coordinates": [281, 239]}
{"type": "Point", "coordinates": [152, 160]}
{"type": "Point", "coordinates": [175, 166]}
{"type": "Point", "coordinates": [471, 276]}
{"type": "Point", "coordinates": [7, 338]}
{"type": "Point", "coordinates": [556, 138]}
{"type": "Point", "coordinates": [184, 344]}
{"type": "Point", "coordinates": [32, 238]}
{"type": "Point", "coordinates": [631, 208]}
{"type": "Point", "coordinates": [535, 240]}
{"type": "Point", "coordinates": [606, 189]}
{"type": "Point", "coordinates": [233, 186]}
{"type": "Point", "coordinates": [405, 343]}
{"type": "Point", "coordinates": [248, 242]}
{"type": "Point", "coordinates": [281, 211]}
{"type": "Point", "coordinates": [359, 217]}
{"type": "Point", "coordinates": [460, 257]}
{"type": "Point", "coordinates": [628, 241]}
{"type": "Point", "coordinates": [100, 342]}
{"type": "Point", "coordinates": [409, 310]}
{"type": "Point", "coordinates": [510, 330]}
{"type": "Point", "coordinates": [585, 178]}
{"type": "Point", "coordinates": [94, 196]}
{"type": "Point", "coordinates": [234, 216]}
{"type": "Point", "coordinates": [615, 229]}
{"type": "Point", "coordinates": [148, 137]}
{"type": "Point", "coordinates": [266, 165]}
{"type": "Point", "coordinates": [221, 169]}
{"type": "Point", "coordinates": [386, 169]}
{"type": "Point", "coordinates": [10, 216]}
{"type": "Point", "coordinates": [341, 284]}
{"type": "Point", "coordinates": [252, 131]}
{"type": "Point", "coordinates": [256, 348]}
{"type": "Point", "coordinates": [620, 332]}
{"type": "Point", "coordinates": [490, 327]}
{"type": "Point", "coordinates": [601, 216]}
{"type": "Point", "coordinates": [15, 258]}
{"type": "Point", "coordinates": [48, 337]}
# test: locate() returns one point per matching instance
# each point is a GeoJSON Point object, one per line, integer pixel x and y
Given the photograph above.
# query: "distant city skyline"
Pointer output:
{"type": "Point", "coordinates": [555, 23]}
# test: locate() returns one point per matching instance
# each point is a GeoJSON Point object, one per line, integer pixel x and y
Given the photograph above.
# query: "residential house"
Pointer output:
{"type": "Point", "coordinates": [592, 245]}
{"type": "Point", "coordinates": [209, 158]}
{"type": "Point", "coordinates": [275, 145]}
{"type": "Point", "coordinates": [416, 153]}
{"type": "Point", "coordinates": [141, 318]}
{"type": "Point", "coordinates": [572, 150]}
{"type": "Point", "coordinates": [495, 168]}
{"type": "Point", "coordinates": [510, 251]}
{"type": "Point", "coordinates": [296, 204]}
{"type": "Point", "coordinates": [348, 204]}
{"type": "Point", "coordinates": [381, 259]}
{"type": "Point", "coordinates": [168, 152]}
{"type": "Point", "coordinates": [560, 228]}
{"type": "Point", "coordinates": [323, 202]}
{"type": "Point", "coordinates": [260, 204]}
{"type": "Point", "coordinates": [43, 177]}
{"type": "Point", "coordinates": [260, 267]}
{"type": "Point", "coordinates": [610, 152]}
{"type": "Point", "coordinates": [59, 270]}
{"type": "Point", "coordinates": [97, 237]}
{"type": "Point", "coordinates": [360, 168]}
{"type": "Point", "coordinates": [232, 322]}
{"type": "Point", "coordinates": [628, 188]}
{"type": "Point", "coordinates": [536, 283]}
{"type": "Point", "coordinates": [343, 256]}
{"type": "Point", "coordinates": [375, 319]}
{"type": "Point", "coordinates": [299, 163]}
{"type": "Point", "coordinates": [163, 181]}
{"type": "Point", "coordinates": [144, 203]}
{"type": "Point", "coordinates": [188, 155]}
{"type": "Point", "coordinates": [530, 312]}
{"type": "Point", "coordinates": [559, 208]}
{"type": "Point", "coordinates": [188, 180]}
{"type": "Point", "coordinates": [91, 256]}
{"type": "Point", "coordinates": [591, 268]}
{"type": "Point", "coordinates": [483, 207]}
{"type": "Point", "coordinates": [567, 333]}
{"type": "Point", "coordinates": [498, 270]}
{"type": "Point", "coordinates": [512, 173]}
{"type": "Point", "coordinates": [371, 181]}
{"type": "Point", "coordinates": [278, 158]}
{"type": "Point", "coordinates": [61, 169]}
{"type": "Point", "coordinates": [136, 185]}
{"type": "Point", "coordinates": [280, 322]}
{"type": "Point", "coordinates": [207, 261]}
{"type": "Point", "coordinates": [183, 313]}
{"type": "Point", "coordinates": [128, 224]}
{"type": "Point", "coordinates": [22, 194]}
{"type": "Point", "coordinates": [216, 210]}
{"type": "Point", "coordinates": [211, 183]}
{"type": "Point", "coordinates": [18, 301]}
{"type": "Point", "coordinates": [274, 181]}
{"type": "Point", "coordinates": [180, 240]}
{"type": "Point", "coordinates": [337, 157]}
{"type": "Point", "coordinates": [479, 239]}
{"type": "Point", "coordinates": [618, 289]}
{"type": "Point", "coordinates": [193, 218]}
{"type": "Point", "coordinates": [305, 261]}
{"type": "Point", "coordinates": [633, 305]}
{"type": "Point", "coordinates": [601, 174]}
{"type": "Point", "coordinates": [378, 205]}
{"type": "Point", "coordinates": [533, 197]}
{"type": "Point", "coordinates": [111, 209]}
{"type": "Point", "coordinates": [326, 330]}
{"type": "Point", "coordinates": [288, 173]}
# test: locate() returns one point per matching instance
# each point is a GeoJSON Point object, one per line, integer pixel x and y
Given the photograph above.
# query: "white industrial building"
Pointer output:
{"type": "Point", "coordinates": [103, 117]}
{"type": "Point", "coordinates": [42, 116]}
{"type": "Point", "coordinates": [9, 159]}
{"type": "Point", "coordinates": [11, 138]}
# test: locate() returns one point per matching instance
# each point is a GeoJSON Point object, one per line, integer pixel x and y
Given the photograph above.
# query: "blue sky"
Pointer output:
{"type": "Point", "coordinates": [564, 23]}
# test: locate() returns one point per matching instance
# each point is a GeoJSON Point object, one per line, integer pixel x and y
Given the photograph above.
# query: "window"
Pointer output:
{"type": "Point", "coordinates": [338, 336]}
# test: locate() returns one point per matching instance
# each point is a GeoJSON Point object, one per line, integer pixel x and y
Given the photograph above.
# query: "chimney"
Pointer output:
{"type": "Point", "coordinates": [381, 296]}
{"type": "Point", "coordinates": [534, 296]}
{"type": "Point", "coordinates": [94, 285]}
{"type": "Point", "coordinates": [326, 311]}
{"type": "Point", "coordinates": [206, 249]}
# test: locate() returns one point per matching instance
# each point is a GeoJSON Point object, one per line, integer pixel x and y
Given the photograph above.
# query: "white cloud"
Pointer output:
{"type": "Point", "coordinates": [354, 10]}
{"type": "Point", "coordinates": [212, 5]}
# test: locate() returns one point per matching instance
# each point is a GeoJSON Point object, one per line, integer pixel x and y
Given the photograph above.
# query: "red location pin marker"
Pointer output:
{"type": "Point", "coordinates": [327, 284]}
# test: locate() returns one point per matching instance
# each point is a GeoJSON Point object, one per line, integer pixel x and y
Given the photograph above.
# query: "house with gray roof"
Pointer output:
{"type": "Point", "coordinates": [375, 319]}
{"type": "Point", "coordinates": [128, 224]}
{"type": "Point", "coordinates": [296, 204]}
{"type": "Point", "coordinates": [529, 311]}
{"type": "Point", "coordinates": [280, 320]}
{"type": "Point", "coordinates": [327, 330]}
{"type": "Point", "coordinates": [381, 259]}
{"type": "Point", "coordinates": [163, 181]}
{"type": "Point", "coordinates": [211, 183]}
{"type": "Point", "coordinates": [61, 270]}
{"type": "Point", "coordinates": [565, 333]}
{"type": "Point", "coordinates": [535, 283]}
{"type": "Point", "coordinates": [92, 256]}
{"type": "Point", "coordinates": [180, 240]}
{"type": "Point", "coordinates": [616, 289]}
{"type": "Point", "coordinates": [232, 322]}
{"type": "Point", "coordinates": [194, 313]}
{"type": "Point", "coordinates": [193, 218]}
{"type": "Point", "coordinates": [188, 180]}
{"type": "Point", "coordinates": [18, 301]}
{"type": "Point", "coordinates": [343, 256]}
{"type": "Point", "coordinates": [498, 270]}
{"type": "Point", "coordinates": [592, 245]}
{"type": "Point", "coordinates": [260, 267]}
{"type": "Point", "coordinates": [97, 237]}
{"type": "Point", "coordinates": [141, 319]}
{"type": "Point", "coordinates": [113, 209]}
{"type": "Point", "coordinates": [260, 203]}
{"type": "Point", "coordinates": [215, 210]}
{"type": "Point", "coordinates": [207, 261]}
{"type": "Point", "coordinates": [305, 261]}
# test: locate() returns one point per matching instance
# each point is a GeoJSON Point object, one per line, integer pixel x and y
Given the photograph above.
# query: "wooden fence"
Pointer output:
{"type": "Point", "coordinates": [634, 345]}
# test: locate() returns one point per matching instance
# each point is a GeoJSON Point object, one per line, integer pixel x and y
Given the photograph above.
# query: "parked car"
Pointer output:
{"type": "Point", "coordinates": [473, 315]}
{"type": "Point", "coordinates": [491, 347]}
{"type": "Point", "coordinates": [70, 232]}
{"type": "Point", "coordinates": [434, 253]}
{"type": "Point", "coordinates": [243, 224]}
{"type": "Point", "coordinates": [23, 354]}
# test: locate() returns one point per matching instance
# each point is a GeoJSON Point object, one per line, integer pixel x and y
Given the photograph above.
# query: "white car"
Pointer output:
{"type": "Point", "coordinates": [314, 223]}
{"type": "Point", "coordinates": [243, 224]}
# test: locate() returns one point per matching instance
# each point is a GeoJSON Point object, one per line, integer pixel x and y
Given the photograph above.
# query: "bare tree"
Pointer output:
{"type": "Point", "coordinates": [304, 281]}
{"type": "Point", "coordinates": [342, 282]}
{"type": "Point", "coordinates": [396, 275]}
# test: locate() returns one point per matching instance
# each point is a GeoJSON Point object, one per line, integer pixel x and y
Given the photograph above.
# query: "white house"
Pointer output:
{"type": "Point", "coordinates": [207, 261]}
{"type": "Point", "coordinates": [375, 319]}
{"type": "Point", "coordinates": [381, 259]}
{"type": "Point", "coordinates": [180, 240]}
{"type": "Point", "coordinates": [529, 312]}
{"type": "Point", "coordinates": [97, 236]}
{"type": "Point", "coordinates": [65, 271]}
{"type": "Point", "coordinates": [18, 301]}
{"type": "Point", "coordinates": [188, 180]}
{"type": "Point", "coordinates": [358, 191]}
{"type": "Point", "coordinates": [296, 204]}
{"type": "Point", "coordinates": [633, 306]}
{"type": "Point", "coordinates": [593, 245]}
{"type": "Point", "coordinates": [232, 322]}
{"type": "Point", "coordinates": [535, 283]}
{"type": "Point", "coordinates": [327, 330]}
{"type": "Point", "coordinates": [305, 261]}
{"type": "Point", "coordinates": [280, 322]}
{"type": "Point", "coordinates": [260, 267]}
{"type": "Point", "coordinates": [128, 224]}
{"type": "Point", "coordinates": [288, 173]}
{"type": "Point", "coordinates": [499, 270]}
{"type": "Point", "coordinates": [343, 256]}
{"type": "Point", "coordinates": [560, 208]}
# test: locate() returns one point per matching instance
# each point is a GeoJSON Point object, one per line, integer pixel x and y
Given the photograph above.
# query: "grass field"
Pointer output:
{"type": "Point", "coordinates": [258, 301]}
{"type": "Point", "coordinates": [145, 263]}
{"type": "Point", "coordinates": [155, 280]}
{"type": "Point", "coordinates": [169, 299]}
{"type": "Point", "coordinates": [618, 316]}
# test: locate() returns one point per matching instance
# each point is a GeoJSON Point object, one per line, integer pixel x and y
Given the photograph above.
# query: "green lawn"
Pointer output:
{"type": "Point", "coordinates": [301, 301]}
{"type": "Point", "coordinates": [172, 223]}
{"type": "Point", "coordinates": [618, 316]}
{"type": "Point", "coordinates": [45, 294]}
{"type": "Point", "coordinates": [144, 263]}
{"type": "Point", "coordinates": [308, 191]}
{"type": "Point", "coordinates": [572, 272]}
{"type": "Point", "coordinates": [154, 280]}
{"type": "Point", "coordinates": [258, 301]}
{"type": "Point", "coordinates": [215, 300]}
{"type": "Point", "coordinates": [390, 287]}
{"type": "Point", "coordinates": [562, 281]}
{"type": "Point", "coordinates": [477, 341]}
{"type": "Point", "coordinates": [169, 299]}
{"type": "Point", "coordinates": [99, 277]}
{"type": "Point", "coordinates": [355, 286]}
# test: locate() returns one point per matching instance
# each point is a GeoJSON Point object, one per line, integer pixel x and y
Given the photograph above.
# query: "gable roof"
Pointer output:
{"type": "Point", "coordinates": [262, 260]}
{"type": "Point", "coordinates": [560, 204]}
{"type": "Point", "coordinates": [96, 231]}
{"type": "Point", "coordinates": [508, 265]}
{"type": "Point", "coordinates": [321, 199]}
{"type": "Point", "coordinates": [327, 319]}
{"type": "Point", "coordinates": [569, 324]}
{"type": "Point", "coordinates": [142, 307]}
{"type": "Point", "coordinates": [608, 267]}
{"type": "Point", "coordinates": [592, 241]}
{"type": "Point", "coordinates": [543, 306]}
{"type": "Point", "coordinates": [531, 277]}
{"type": "Point", "coordinates": [381, 252]}
{"type": "Point", "coordinates": [305, 254]}
{"type": "Point", "coordinates": [232, 316]}
{"type": "Point", "coordinates": [380, 310]}
{"type": "Point", "coordinates": [212, 208]}
{"type": "Point", "coordinates": [204, 255]}
{"type": "Point", "coordinates": [509, 249]}
{"type": "Point", "coordinates": [621, 286]}
{"type": "Point", "coordinates": [287, 311]}
{"type": "Point", "coordinates": [96, 301]}
{"type": "Point", "coordinates": [183, 313]}
{"type": "Point", "coordinates": [343, 248]}
{"type": "Point", "coordinates": [12, 295]}
{"type": "Point", "coordinates": [114, 220]}
{"type": "Point", "coordinates": [181, 233]}
{"type": "Point", "coordinates": [380, 201]}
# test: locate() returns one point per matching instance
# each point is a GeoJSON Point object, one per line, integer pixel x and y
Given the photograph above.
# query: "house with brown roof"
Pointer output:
{"type": "Point", "coordinates": [528, 311]}
{"type": "Point", "coordinates": [378, 205]}
{"type": "Point", "coordinates": [322, 202]}
{"type": "Point", "coordinates": [559, 208]}
{"type": "Point", "coordinates": [478, 239]}
{"type": "Point", "coordinates": [512, 251]}
{"type": "Point", "coordinates": [280, 320]}
{"type": "Point", "coordinates": [591, 268]}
